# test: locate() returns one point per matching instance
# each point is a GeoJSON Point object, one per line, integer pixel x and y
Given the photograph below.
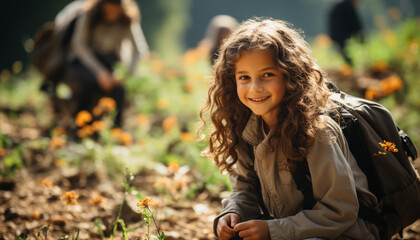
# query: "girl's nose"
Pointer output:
{"type": "Point", "coordinates": [256, 85]}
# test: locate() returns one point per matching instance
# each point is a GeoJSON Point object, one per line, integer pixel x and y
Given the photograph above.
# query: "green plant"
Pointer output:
{"type": "Point", "coordinates": [149, 217]}
{"type": "Point", "coordinates": [11, 162]}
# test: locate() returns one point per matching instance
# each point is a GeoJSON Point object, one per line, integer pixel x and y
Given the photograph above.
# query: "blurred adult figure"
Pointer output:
{"type": "Point", "coordinates": [344, 23]}
{"type": "Point", "coordinates": [218, 29]}
{"type": "Point", "coordinates": [101, 33]}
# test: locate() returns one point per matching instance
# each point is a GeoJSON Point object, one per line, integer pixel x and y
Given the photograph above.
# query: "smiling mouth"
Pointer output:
{"type": "Point", "coordinates": [259, 99]}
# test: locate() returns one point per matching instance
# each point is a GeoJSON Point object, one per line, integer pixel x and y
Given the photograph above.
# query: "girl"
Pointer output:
{"type": "Point", "coordinates": [268, 102]}
{"type": "Point", "coordinates": [99, 36]}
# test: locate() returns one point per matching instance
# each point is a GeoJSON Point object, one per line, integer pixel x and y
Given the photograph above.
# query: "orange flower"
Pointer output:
{"type": "Point", "coordinates": [144, 203]}
{"type": "Point", "coordinates": [169, 123]}
{"type": "Point", "coordinates": [107, 103]}
{"type": "Point", "coordinates": [2, 152]}
{"type": "Point", "coordinates": [82, 118]}
{"type": "Point", "coordinates": [391, 84]}
{"type": "Point", "coordinates": [346, 70]}
{"type": "Point", "coordinates": [70, 198]}
{"type": "Point", "coordinates": [58, 162]}
{"type": "Point", "coordinates": [116, 132]}
{"type": "Point", "coordinates": [97, 111]}
{"type": "Point", "coordinates": [173, 167]}
{"type": "Point", "coordinates": [56, 142]}
{"type": "Point", "coordinates": [47, 183]}
{"type": "Point", "coordinates": [189, 87]}
{"type": "Point", "coordinates": [156, 65]}
{"type": "Point", "coordinates": [125, 138]}
{"type": "Point", "coordinates": [85, 131]}
{"type": "Point", "coordinates": [142, 119]}
{"type": "Point", "coordinates": [59, 131]}
{"type": "Point", "coordinates": [96, 200]}
{"type": "Point", "coordinates": [380, 66]}
{"type": "Point", "coordinates": [371, 93]}
{"type": "Point", "coordinates": [388, 146]}
{"type": "Point", "coordinates": [98, 126]}
{"type": "Point", "coordinates": [187, 137]}
{"type": "Point", "coordinates": [36, 215]}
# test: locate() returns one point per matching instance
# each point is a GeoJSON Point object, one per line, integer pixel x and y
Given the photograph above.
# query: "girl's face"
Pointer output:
{"type": "Point", "coordinates": [111, 11]}
{"type": "Point", "coordinates": [260, 84]}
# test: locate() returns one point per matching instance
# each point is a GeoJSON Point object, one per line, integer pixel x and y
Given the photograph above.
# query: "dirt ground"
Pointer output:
{"type": "Point", "coordinates": [28, 203]}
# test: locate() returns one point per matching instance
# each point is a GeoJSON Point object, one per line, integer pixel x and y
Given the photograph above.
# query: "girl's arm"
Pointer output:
{"type": "Point", "coordinates": [80, 46]}
{"type": "Point", "coordinates": [334, 189]}
{"type": "Point", "coordinates": [244, 181]}
{"type": "Point", "coordinates": [138, 40]}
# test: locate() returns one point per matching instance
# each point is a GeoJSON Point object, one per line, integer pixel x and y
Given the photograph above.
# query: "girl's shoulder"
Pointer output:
{"type": "Point", "coordinates": [330, 132]}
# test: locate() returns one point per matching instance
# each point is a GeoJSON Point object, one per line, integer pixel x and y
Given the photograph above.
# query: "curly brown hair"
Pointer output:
{"type": "Point", "coordinates": [305, 100]}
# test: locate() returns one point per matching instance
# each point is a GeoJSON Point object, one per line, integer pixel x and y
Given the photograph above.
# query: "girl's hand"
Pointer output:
{"type": "Point", "coordinates": [225, 226]}
{"type": "Point", "coordinates": [106, 81]}
{"type": "Point", "coordinates": [253, 230]}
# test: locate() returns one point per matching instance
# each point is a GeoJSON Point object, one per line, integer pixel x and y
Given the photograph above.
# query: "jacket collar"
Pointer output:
{"type": "Point", "coordinates": [253, 130]}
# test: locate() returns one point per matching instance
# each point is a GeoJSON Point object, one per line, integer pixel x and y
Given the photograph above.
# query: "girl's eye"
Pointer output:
{"type": "Point", "coordinates": [269, 74]}
{"type": "Point", "coordinates": [243, 77]}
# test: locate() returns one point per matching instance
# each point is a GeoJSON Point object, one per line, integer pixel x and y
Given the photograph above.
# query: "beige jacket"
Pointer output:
{"type": "Point", "coordinates": [108, 38]}
{"type": "Point", "coordinates": [338, 185]}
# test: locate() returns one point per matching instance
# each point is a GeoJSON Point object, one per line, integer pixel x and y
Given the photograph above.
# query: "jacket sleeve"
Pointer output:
{"type": "Point", "coordinates": [245, 185]}
{"type": "Point", "coordinates": [81, 48]}
{"type": "Point", "coordinates": [138, 40]}
{"type": "Point", "coordinates": [334, 189]}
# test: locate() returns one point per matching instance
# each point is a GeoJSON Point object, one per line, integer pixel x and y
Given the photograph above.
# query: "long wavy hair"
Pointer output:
{"type": "Point", "coordinates": [305, 100]}
{"type": "Point", "coordinates": [130, 11]}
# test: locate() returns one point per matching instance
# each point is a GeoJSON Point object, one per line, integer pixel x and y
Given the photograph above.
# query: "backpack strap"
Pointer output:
{"type": "Point", "coordinates": [302, 176]}
{"type": "Point", "coordinates": [408, 145]}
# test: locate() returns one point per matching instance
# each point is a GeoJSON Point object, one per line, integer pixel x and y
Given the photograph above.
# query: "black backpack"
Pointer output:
{"type": "Point", "coordinates": [391, 175]}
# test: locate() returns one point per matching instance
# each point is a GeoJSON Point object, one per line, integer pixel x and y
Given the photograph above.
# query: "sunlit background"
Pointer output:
{"type": "Point", "coordinates": [41, 146]}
